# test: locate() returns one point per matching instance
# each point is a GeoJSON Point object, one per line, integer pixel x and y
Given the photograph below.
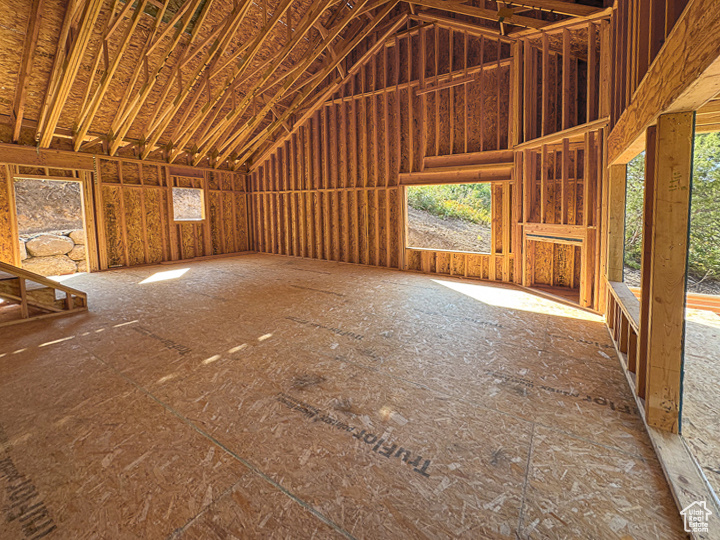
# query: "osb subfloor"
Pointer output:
{"type": "Point", "coordinates": [701, 392]}
{"type": "Point", "coordinates": [269, 397]}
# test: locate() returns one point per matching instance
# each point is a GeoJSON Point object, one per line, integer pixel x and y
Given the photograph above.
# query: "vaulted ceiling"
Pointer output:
{"type": "Point", "coordinates": [204, 81]}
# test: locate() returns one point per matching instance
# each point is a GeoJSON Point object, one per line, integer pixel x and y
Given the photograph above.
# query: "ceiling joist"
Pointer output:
{"type": "Point", "coordinates": [557, 6]}
{"type": "Point", "coordinates": [480, 13]}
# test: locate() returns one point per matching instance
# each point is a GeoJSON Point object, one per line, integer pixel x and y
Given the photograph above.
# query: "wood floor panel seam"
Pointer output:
{"type": "Point", "coordinates": [306, 506]}
{"type": "Point", "coordinates": [528, 464]}
{"type": "Point", "coordinates": [504, 413]}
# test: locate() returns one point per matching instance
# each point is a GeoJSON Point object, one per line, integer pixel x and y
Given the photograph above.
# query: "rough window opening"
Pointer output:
{"type": "Point", "coordinates": [634, 207]}
{"type": "Point", "coordinates": [704, 247]}
{"type": "Point", "coordinates": [450, 217]}
{"type": "Point", "coordinates": [188, 204]}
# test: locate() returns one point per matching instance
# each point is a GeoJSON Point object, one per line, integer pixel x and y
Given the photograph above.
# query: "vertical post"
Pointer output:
{"type": "Point", "coordinates": [545, 127]}
{"type": "Point", "coordinates": [668, 262]}
{"type": "Point", "coordinates": [616, 222]}
{"type": "Point", "coordinates": [515, 116]}
{"type": "Point", "coordinates": [648, 206]}
{"type": "Point", "coordinates": [12, 216]}
{"type": "Point", "coordinates": [207, 229]}
{"type": "Point", "coordinates": [566, 96]}
{"type": "Point", "coordinates": [23, 298]}
{"type": "Point", "coordinates": [528, 95]}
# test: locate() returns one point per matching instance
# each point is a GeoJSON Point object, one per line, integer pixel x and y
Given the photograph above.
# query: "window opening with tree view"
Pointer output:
{"type": "Point", "coordinates": [450, 217]}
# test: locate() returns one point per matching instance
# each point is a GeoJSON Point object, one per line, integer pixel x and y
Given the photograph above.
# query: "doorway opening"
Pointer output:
{"type": "Point", "coordinates": [51, 226]}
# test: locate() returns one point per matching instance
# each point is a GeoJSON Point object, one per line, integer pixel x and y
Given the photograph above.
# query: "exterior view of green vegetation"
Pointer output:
{"type": "Point", "coordinates": [704, 251]}
{"type": "Point", "coordinates": [452, 217]}
{"type": "Point", "coordinates": [468, 202]}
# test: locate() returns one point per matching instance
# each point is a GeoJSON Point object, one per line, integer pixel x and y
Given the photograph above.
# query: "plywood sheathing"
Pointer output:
{"type": "Point", "coordinates": [520, 437]}
{"type": "Point", "coordinates": [126, 80]}
{"type": "Point", "coordinates": [143, 221]}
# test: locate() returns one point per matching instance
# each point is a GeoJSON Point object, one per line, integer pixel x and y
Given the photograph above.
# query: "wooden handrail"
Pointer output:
{"type": "Point", "coordinates": [37, 278]}
{"type": "Point", "coordinates": [73, 302]}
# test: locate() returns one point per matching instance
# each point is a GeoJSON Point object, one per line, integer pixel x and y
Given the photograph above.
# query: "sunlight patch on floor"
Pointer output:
{"type": "Point", "coordinates": [707, 318]}
{"type": "Point", "coordinates": [515, 299]}
{"type": "Point", "coordinates": [164, 276]}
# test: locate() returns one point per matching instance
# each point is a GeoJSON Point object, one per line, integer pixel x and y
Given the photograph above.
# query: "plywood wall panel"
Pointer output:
{"type": "Point", "coordinates": [229, 220]}
{"type": "Point", "coordinates": [130, 172]}
{"type": "Point", "coordinates": [187, 240]}
{"type": "Point", "coordinates": [216, 222]}
{"type": "Point", "coordinates": [134, 228]}
{"type": "Point", "coordinates": [136, 203]}
{"type": "Point", "coordinates": [112, 213]}
{"type": "Point", "coordinates": [109, 171]}
{"type": "Point", "coordinates": [150, 175]}
{"type": "Point", "coordinates": [154, 209]}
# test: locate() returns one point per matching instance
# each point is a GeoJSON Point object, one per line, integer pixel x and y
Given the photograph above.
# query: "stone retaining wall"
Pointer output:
{"type": "Point", "coordinates": [54, 253]}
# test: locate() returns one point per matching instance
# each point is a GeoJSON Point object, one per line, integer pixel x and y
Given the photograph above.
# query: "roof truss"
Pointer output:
{"type": "Point", "coordinates": [171, 99]}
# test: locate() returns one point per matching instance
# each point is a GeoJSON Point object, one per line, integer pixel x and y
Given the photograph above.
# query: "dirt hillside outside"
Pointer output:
{"type": "Point", "coordinates": [47, 205]}
{"type": "Point", "coordinates": [428, 231]}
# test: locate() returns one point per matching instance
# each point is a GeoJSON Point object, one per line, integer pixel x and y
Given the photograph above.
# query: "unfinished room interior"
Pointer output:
{"type": "Point", "coordinates": [365, 269]}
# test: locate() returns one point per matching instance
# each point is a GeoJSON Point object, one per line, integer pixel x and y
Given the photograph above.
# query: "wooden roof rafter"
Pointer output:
{"type": "Point", "coordinates": [87, 116]}
{"type": "Point", "coordinates": [282, 92]}
{"type": "Point", "coordinates": [317, 100]}
{"type": "Point", "coordinates": [217, 111]}
{"type": "Point", "coordinates": [210, 60]}
{"type": "Point", "coordinates": [67, 70]}
{"type": "Point", "coordinates": [311, 17]}
{"type": "Point", "coordinates": [183, 14]}
{"type": "Point", "coordinates": [230, 96]}
{"type": "Point", "coordinates": [100, 54]}
{"type": "Point", "coordinates": [298, 68]}
{"type": "Point", "coordinates": [245, 148]}
{"type": "Point", "coordinates": [115, 20]}
{"type": "Point", "coordinates": [227, 88]}
{"type": "Point", "coordinates": [225, 96]}
{"type": "Point", "coordinates": [330, 49]}
{"type": "Point", "coordinates": [31, 37]}
{"type": "Point", "coordinates": [130, 108]}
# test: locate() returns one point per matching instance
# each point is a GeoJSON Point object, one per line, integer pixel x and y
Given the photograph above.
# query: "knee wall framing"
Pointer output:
{"type": "Point", "coordinates": [128, 208]}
